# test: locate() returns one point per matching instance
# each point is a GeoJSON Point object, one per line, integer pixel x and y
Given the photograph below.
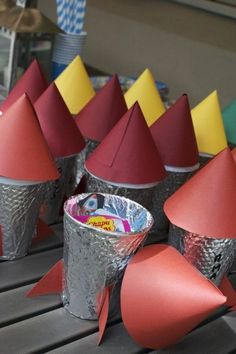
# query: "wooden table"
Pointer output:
{"type": "Point", "coordinates": [42, 325]}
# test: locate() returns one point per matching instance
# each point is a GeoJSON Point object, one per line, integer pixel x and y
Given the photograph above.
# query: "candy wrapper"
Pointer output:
{"type": "Point", "coordinates": [19, 210]}
{"type": "Point", "coordinates": [213, 257]}
{"type": "Point", "coordinates": [95, 258]}
{"type": "Point", "coordinates": [138, 193]}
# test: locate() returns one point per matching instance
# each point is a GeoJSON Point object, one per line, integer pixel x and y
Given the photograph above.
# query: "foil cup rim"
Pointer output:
{"type": "Point", "coordinates": [110, 233]}
{"type": "Point", "coordinates": [125, 185]}
{"type": "Point", "coordinates": [204, 236]}
{"type": "Point", "coordinates": [182, 169]}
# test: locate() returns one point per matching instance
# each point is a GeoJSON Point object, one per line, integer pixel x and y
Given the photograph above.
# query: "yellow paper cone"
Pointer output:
{"type": "Point", "coordinates": [145, 92]}
{"type": "Point", "coordinates": [208, 125]}
{"type": "Point", "coordinates": [75, 86]}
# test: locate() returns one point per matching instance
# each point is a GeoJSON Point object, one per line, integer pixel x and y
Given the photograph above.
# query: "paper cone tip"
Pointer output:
{"type": "Point", "coordinates": [24, 153]}
{"type": "Point", "coordinates": [128, 153]}
{"type": "Point", "coordinates": [205, 204]}
{"type": "Point", "coordinates": [174, 135]}
{"type": "Point", "coordinates": [144, 91]}
{"type": "Point", "coordinates": [102, 112]}
{"type": "Point", "coordinates": [58, 126]}
{"type": "Point", "coordinates": [51, 283]}
{"type": "Point", "coordinates": [185, 297]}
{"type": "Point", "coordinates": [33, 82]}
{"type": "Point", "coordinates": [208, 125]}
{"type": "Point", "coordinates": [103, 312]}
{"type": "Point", "coordinates": [75, 86]}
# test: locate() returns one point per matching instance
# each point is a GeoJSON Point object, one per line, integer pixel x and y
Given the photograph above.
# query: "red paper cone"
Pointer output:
{"type": "Point", "coordinates": [58, 126]}
{"type": "Point", "coordinates": [51, 283]}
{"type": "Point", "coordinates": [104, 110]}
{"type": "Point", "coordinates": [174, 135]}
{"type": "Point", "coordinates": [24, 153]}
{"type": "Point", "coordinates": [128, 153]}
{"type": "Point", "coordinates": [205, 205]}
{"type": "Point", "coordinates": [163, 297]}
{"type": "Point", "coordinates": [33, 82]}
{"type": "Point", "coordinates": [103, 312]}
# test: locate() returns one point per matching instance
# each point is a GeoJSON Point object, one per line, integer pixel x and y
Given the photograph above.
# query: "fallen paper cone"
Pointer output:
{"type": "Point", "coordinates": [42, 231]}
{"type": "Point", "coordinates": [51, 283]}
{"type": "Point", "coordinates": [163, 297]}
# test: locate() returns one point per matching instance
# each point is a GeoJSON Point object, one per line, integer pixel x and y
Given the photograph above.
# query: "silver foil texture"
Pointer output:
{"type": "Point", "coordinates": [19, 210]}
{"type": "Point", "coordinates": [95, 258]}
{"type": "Point", "coordinates": [212, 257]}
{"type": "Point", "coordinates": [142, 196]}
{"type": "Point", "coordinates": [90, 146]}
{"type": "Point", "coordinates": [163, 191]}
{"type": "Point", "coordinates": [59, 190]}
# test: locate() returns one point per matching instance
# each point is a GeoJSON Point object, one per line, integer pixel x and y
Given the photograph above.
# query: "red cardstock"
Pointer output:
{"type": "Point", "coordinates": [58, 126]}
{"type": "Point", "coordinates": [32, 82]}
{"type": "Point", "coordinates": [24, 153]}
{"type": "Point", "coordinates": [205, 204]}
{"type": "Point", "coordinates": [43, 231]}
{"type": "Point", "coordinates": [128, 153]}
{"type": "Point", "coordinates": [163, 297]}
{"type": "Point", "coordinates": [174, 135]}
{"type": "Point", "coordinates": [234, 153]}
{"type": "Point", "coordinates": [51, 283]}
{"type": "Point", "coordinates": [102, 112]}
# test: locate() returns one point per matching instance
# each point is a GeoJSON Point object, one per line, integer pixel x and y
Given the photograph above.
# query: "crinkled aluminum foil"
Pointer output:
{"type": "Point", "coordinates": [211, 256]}
{"type": "Point", "coordinates": [162, 192]}
{"type": "Point", "coordinates": [95, 258]}
{"type": "Point", "coordinates": [90, 146]}
{"type": "Point", "coordinates": [19, 210]}
{"type": "Point", "coordinates": [59, 189]}
{"type": "Point", "coordinates": [142, 196]}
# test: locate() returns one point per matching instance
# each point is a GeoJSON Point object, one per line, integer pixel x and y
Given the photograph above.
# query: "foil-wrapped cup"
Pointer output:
{"type": "Point", "coordinates": [213, 257]}
{"type": "Point", "coordinates": [80, 171]}
{"type": "Point", "coordinates": [59, 189]}
{"type": "Point", "coordinates": [141, 194]}
{"type": "Point", "coordinates": [19, 210]}
{"type": "Point", "coordinates": [95, 258]}
{"type": "Point", "coordinates": [176, 178]}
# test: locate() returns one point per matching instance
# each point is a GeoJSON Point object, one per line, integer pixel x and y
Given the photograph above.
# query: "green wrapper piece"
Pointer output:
{"type": "Point", "coordinates": [229, 119]}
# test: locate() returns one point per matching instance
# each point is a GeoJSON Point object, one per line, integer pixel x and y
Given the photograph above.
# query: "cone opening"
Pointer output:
{"type": "Point", "coordinates": [140, 220]}
{"type": "Point", "coordinates": [18, 182]}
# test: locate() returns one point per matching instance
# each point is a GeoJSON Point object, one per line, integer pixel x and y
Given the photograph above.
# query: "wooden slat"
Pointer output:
{"type": "Point", "coordinates": [116, 341]}
{"type": "Point", "coordinates": [27, 270]}
{"type": "Point", "coordinates": [43, 332]}
{"type": "Point", "coordinates": [15, 306]}
{"type": "Point", "coordinates": [214, 338]}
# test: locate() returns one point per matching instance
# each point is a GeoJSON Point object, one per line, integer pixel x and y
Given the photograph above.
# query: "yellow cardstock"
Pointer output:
{"type": "Point", "coordinates": [75, 86]}
{"type": "Point", "coordinates": [144, 91]}
{"type": "Point", "coordinates": [208, 125]}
